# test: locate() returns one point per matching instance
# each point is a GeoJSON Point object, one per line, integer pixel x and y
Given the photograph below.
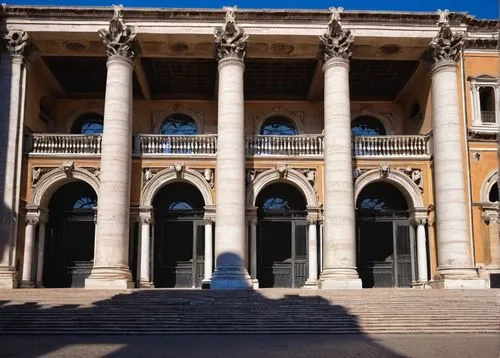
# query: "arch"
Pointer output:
{"type": "Point", "coordinates": [409, 189]}
{"type": "Point", "coordinates": [76, 115]}
{"type": "Point", "coordinates": [294, 117]}
{"type": "Point", "coordinates": [290, 125]}
{"type": "Point", "coordinates": [170, 175]}
{"type": "Point", "coordinates": [487, 185]}
{"type": "Point", "coordinates": [56, 178]}
{"type": "Point", "coordinates": [386, 122]}
{"type": "Point", "coordinates": [160, 117]}
{"type": "Point", "coordinates": [288, 176]}
{"type": "Point", "coordinates": [177, 118]}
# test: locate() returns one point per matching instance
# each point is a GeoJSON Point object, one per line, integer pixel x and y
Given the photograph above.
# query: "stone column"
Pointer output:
{"type": "Point", "coordinates": [32, 220]}
{"type": "Point", "coordinates": [40, 253]}
{"type": "Point", "coordinates": [111, 267]}
{"type": "Point", "coordinates": [12, 104]}
{"type": "Point", "coordinates": [339, 241]}
{"type": "Point", "coordinates": [312, 280]}
{"type": "Point", "coordinates": [421, 251]}
{"type": "Point", "coordinates": [453, 239]}
{"type": "Point", "coordinates": [146, 220]}
{"type": "Point", "coordinates": [230, 268]}
{"type": "Point", "coordinates": [209, 252]}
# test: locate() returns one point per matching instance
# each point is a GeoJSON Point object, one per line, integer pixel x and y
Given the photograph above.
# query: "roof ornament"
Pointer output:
{"type": "Point", "coordinates": [230, 39]}
{"type": "Point", "coordinates": [16, 41]}
{"type": "Point", "coordinates": [446, 45]}
{"type": "Point", "coordinates": [119, 39]}
{"type": "Point", "coordinates": [336, 42]}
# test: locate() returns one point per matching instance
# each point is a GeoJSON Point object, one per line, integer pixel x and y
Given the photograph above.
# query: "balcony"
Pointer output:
{"type": "Point", "coordinates": [300, 146]}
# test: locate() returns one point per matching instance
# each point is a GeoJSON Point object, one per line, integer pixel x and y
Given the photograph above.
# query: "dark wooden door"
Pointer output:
{"type": "Point", "coordinates": [403, 254]}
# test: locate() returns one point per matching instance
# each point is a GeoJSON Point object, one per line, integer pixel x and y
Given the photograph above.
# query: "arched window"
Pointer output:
{"type": "Point", "coordinates": [278, 125]}
{"type": "Point", "coordinates": [381, 197]}
{"type": "Point", "coordinates": [367, 126]}
{"type": "Point", "coordinates": [493, 196]}
{"type": "Point", "coordinates": [179, 124]}
{"type": "Point", "coordinates": [89, 123]}
{"type": "Point", "coordinates": [85, 203]}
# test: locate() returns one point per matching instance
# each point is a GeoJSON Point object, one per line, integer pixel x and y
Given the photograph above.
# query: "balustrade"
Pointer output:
{"type": "Point", "coordinates": [66, 144]}
{"type": "Point", "coordinates": [177, 144]}
{"type": "Point", "coordinates": [255, 145]}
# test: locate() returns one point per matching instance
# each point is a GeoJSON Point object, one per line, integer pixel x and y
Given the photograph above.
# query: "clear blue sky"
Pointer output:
{"type": "Point", "coordinates": [479, 8]}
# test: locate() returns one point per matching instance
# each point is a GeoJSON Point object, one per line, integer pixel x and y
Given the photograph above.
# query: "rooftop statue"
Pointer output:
{"type": "Point", "coordinates": [119, 39]}
{"type": "Point", "coordinates": [230, 39]}
{"type": "Point", "coordinates": [336, 42]}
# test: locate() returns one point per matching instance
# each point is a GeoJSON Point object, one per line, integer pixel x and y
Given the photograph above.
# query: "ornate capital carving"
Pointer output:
{"type": "Point", "coordinates": [119, 38]}
{"type": "Point", "coordinates": [16, 41]}
{"type": "Point", "coordinates": [336, 42]}
{"type": "Point", "coordinates": [230, 39]}
{"type": "Point", "coordinates": [32, 218]}
{"type": "Point", "coordinates": [446, 45]}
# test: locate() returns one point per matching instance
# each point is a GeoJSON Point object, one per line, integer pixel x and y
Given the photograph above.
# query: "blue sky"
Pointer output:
{"type": "Point", "coordinates": [479, 8]}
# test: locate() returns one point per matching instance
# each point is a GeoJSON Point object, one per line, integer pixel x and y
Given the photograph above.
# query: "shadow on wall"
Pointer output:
{"type": "Point", "coordinates": [239, 323]}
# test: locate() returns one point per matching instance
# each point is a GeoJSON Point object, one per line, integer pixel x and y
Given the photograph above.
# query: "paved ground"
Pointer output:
{"type": "Point", "coordinates": [289, 346]}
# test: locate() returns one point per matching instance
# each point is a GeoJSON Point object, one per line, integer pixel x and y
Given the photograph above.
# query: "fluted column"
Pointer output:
{"type": "Point", "coordinates": [12, 104]}
{"type": "Point", "coordinates": [230, 271]}
{"type": "Point", "coordinates": [146, 221]}
{"type": "Point", "coordinates": [453, 238]}
{"type": "Point", "coordinates": [111, 266]}
{"type": "Point", "coordinates": [339, 241]}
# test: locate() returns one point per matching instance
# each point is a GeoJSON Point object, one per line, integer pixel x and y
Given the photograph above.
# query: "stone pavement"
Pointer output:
{"type": "Point", "coordinates": [268, 346]}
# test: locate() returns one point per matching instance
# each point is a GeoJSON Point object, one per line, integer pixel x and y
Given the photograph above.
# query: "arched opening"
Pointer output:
{"type": "Point", "coordinates": [385, 240]}
{"type": "Point", "coordinates": [281, 237]}
{"type": "Point", "coordinates": [179, 124]}
{"type": "Point", "coordinates": [367, 126]}
{"type": "Point", "coordinates": [493, 195]}
{"type": "Point", "coordinates": [70, 234]}
{"type": "Point", "coordinates": [179, 237]}
{"type": "Point", "coordinates": [278, 125]}
{"type": "Point", "coordinates": [89, 123]}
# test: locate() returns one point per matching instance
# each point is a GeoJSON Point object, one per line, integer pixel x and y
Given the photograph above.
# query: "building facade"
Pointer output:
{"type": "Point", "coordinates": [248, 148]}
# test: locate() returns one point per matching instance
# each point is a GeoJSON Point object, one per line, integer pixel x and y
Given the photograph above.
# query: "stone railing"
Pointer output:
{"type": "Point", "coordinates": [391, 146]}
{"type": "Point", "coordinates": [151, 144]}
{"type": "Point", "coordinates": [255, 145]}
{"type": "Point", "coordinates": [298, 145]}
{"type": "Point", "coordinates": [488, 117]}
{"type": "Point", "coordinates": [65, 144]}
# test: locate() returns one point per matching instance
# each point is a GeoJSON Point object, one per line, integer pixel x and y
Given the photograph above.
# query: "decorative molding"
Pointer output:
{"type": "Point", "coordinates": [119, 38]}
{"type": "Point", "coordinates": [15, 42]}
{"type": "Point", "coordinates": [446, 45]}
{"type": "Point", "coordinates": [336, 42]}
{"type": "Point", "coordinates": [230, 39]}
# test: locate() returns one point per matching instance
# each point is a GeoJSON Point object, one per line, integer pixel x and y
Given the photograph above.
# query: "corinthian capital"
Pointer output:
{"type": "Point", "coordinates": [230, 39]}
{"type": "Point", "coordinates": [336, 42]}
{"type": "Point", "coordinates": [16, 41]}
{"type": "Point", "coordinates": [119, 38]}
{"type": "Point", "coordinates": [446, 45]}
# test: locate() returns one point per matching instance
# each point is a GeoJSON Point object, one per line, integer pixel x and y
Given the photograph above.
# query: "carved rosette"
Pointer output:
{"type": "Point", "coordinates": [446, 46]}
{"type": "Point", "coordinates": [15, 42]}
{"type": "Point", "coordinates": [336, 42]}
{"type": "Point", "coordinates": [230, 39]}
{"type": "Point", "coordinates": [119, 38]}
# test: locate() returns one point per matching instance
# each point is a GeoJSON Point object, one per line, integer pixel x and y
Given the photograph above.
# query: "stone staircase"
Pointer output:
{"type": "Point", "coordinates": [267, 311]}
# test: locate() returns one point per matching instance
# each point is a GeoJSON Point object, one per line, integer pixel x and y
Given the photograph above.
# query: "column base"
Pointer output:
{"type": "Point", "coordinates": [457, 273]}
{"type": "Point", "coordinates": [206, 283]}
{"type": "Point", "coordinates": [39, 285]}
{"type": "Point", "coordinates": [255, 283]}
{"type": "Point", "coordinates": [311, 284]}
{"type": "Point", "coordinates": [458, 284]}
{"type": "Point", "coordinates": [339, 278]}
{"type": "Point", "coordinates": [146, 284]}
{"type": "Point", "coordinates": [27, 284]}
{"type": "Point", "coordinates": [8, 278]}
{"type": "Point", "coordinates": [231, 278]}
{"type": "Point", "coordinates": [113, 278]}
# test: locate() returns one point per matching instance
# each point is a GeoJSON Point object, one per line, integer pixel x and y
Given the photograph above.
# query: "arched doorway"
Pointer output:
{"type": "Point", "coordinates": [385, 242]}
{"type": "Point", "coordinates": [179, 237]}
{"type": "Point", "coordinates": [70, 236]}
{"type": "Point", "coordinates": [282, 257]}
